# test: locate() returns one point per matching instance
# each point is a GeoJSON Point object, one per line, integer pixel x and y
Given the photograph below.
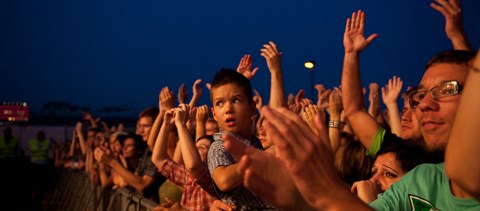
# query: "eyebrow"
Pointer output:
{"type": "Point", "coordinates": [388, 167]}
{"type": "Point", "coordinates": [441, 82]}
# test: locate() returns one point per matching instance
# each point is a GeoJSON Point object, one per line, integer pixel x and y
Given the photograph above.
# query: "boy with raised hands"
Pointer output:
{"type": "Point", "coordinates": [193, 177]}
{"type": "Point", "coordinates": [233, 108]}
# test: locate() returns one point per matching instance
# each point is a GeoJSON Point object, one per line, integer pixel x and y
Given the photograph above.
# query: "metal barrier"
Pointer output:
{"type": "Point", "coordinates": [74, 191]}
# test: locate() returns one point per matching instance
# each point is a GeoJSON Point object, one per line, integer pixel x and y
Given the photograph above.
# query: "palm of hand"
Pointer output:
{"type": "Point", "coordinates": [354, 41]}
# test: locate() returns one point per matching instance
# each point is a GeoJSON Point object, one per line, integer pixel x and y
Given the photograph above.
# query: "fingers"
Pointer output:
{"type": "Point", "coordinates": [233, 145]}
{"type": "Point", "coordinates": [256, 184]}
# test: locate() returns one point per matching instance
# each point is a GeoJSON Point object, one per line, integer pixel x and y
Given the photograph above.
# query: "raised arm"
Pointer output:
{"type": "Point", "coordinates": [81, 138]}
{"type": "Point", "coordinates": [201, 117]}
{"type": "Point", "coordinates": [335, 125]}
{"type": "Point", "coordinates": [452, 10]}
{"type": "Point", "coordinates": [159, 153]}
{"type": "Point", "coordinates": [390, 93]}
{"type": "Point", "coordinates": [274, 62]}
{"type": "Point", "coordinates": [197, 93]}
{"type": "Point", "coordinates": [71, 152]}
{"type": "Point", "coordinates": [463, 146]}
{"type": "Point", "coordinates": [165, 103]}
{"type": "Point", "coordinates": [364, 126]}
{"type": "Point", "coordinates": [374, 109]}
{"type": "Point", "coordinates": [191, 158]}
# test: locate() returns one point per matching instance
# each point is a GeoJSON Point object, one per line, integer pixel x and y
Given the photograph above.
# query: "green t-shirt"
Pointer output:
{"type": "Point", "coordinates": [377, 142]}
{"type": "Point", "coordinates": [426, 187]}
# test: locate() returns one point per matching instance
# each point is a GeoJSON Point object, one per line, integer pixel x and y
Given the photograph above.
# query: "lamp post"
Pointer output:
{"type": "Point", "coordinates": [310, 65]}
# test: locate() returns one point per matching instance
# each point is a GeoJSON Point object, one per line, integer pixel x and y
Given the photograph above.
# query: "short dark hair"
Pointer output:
{"type": "Point", "coordinates": [230, 76]}
{"type": "Point", "coordinates": [452, 56]}
{"type": "Point", "coordinates": [149, 112]}
{"type": "Point", "coordinates": [408, 153]}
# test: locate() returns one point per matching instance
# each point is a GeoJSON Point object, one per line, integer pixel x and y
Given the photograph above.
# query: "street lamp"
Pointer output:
{"type": "Point", "coordinates": [310, 65]}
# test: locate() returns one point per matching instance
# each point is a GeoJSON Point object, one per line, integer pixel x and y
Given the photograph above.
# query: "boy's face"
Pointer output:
{"type": "Point", "coordinates": [231, 109]}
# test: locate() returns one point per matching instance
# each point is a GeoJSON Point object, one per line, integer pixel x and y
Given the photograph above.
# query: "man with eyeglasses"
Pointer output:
{"type": "Point", "coordinates": [436, 98]}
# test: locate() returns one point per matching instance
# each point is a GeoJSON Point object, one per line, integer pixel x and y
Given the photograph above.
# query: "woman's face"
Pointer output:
{"type": "Point", "coordinates": [386, 170]}
{"type": "Point", "coordinates": [263, 136]}
{"type": "Point", "coordinates": [115, 145]}
{"type": "Point", "coordinates": [129, 148]}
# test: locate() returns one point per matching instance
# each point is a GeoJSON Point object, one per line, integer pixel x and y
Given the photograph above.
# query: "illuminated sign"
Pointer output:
{"type": "Point", "coordinates": [14, 111]}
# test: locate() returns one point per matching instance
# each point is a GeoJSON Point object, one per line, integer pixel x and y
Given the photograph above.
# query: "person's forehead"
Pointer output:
{"type": "Point", "coordinates": [227, 89]}
{"type": "Point", "coordinates": [145, 120]}
{"type": "Point", "coordinates": [443, 72]}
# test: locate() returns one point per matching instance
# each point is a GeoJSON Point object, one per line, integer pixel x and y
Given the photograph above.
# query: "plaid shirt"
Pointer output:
{"type": "Point", "coordinates": [195, 191]}
{"type": "Point", "coordinates": [240, 196]}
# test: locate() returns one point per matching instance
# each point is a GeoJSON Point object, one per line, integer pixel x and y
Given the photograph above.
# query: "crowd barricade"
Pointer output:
{"type": "Point", "coordinates": [73, 190]}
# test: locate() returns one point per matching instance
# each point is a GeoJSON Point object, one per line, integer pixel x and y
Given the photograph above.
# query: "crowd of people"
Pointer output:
{"type": "Point", "coordinates": [292, 153]}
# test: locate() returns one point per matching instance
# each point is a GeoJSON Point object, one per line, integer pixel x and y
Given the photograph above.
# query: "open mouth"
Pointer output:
{"type": "Point", "coordinates": [230, 122]}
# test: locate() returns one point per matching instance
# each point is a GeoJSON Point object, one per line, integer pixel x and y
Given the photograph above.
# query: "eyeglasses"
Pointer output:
{"type": "Point", "coordinates": [449, 88]}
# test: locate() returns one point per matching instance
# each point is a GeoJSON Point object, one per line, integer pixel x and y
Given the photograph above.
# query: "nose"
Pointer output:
{"type": "Point", "coordinates": [375, 178]}
{"type": "Point", "coordinates": [407, 115]}
{"type": "Point", "coordinates": [428, 103]}
{"type": "Point", "coordinates": [228, 107]}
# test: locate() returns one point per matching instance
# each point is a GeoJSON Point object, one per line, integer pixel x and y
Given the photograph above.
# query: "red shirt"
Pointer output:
{"type": "Point", "coordinates": [195, 195]}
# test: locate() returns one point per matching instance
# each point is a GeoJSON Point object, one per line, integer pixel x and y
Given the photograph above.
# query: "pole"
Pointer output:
{"type": "Point", "coordinates": [312, 85]}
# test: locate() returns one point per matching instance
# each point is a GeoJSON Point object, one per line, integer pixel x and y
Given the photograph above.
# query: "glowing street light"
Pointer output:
{"type": "Point", "coordinates": [310, 65]}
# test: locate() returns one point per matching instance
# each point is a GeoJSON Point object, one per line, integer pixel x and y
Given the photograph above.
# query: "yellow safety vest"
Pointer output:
{"type": "Point", "coordinates": [38, 153]}
{"type": "Point", "coordinates": [8, 150]}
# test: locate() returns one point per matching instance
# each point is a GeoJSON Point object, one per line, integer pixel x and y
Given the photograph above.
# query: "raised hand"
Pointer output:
{"type": "Point", "coordinates": [272, 56]}
{"type": "Point", "coordinates": [391, 90]}
{"type": "Point", "coordinates": [264, 174]}
{"type": "Point", "coordinates": [197, 87]}
{"type": "Point", "coordinates": [166, 101]}
{"type": "Point", "coordinates": [298, 100]}
{"type": "Point", "coordinates": [308, 114]}
{"type": "Point", "coordinates": [182, 114]}
{"type": "Point", "coordinates": [335, 106]}
{"type": "Point", "coordinates": [307, 156]}
{"type": "Point", "coordinates": [452, 11]}
{"type": "Point", "coordinates": [245, 67]}
{"type": "Point", "coordinates": [354, 39]}
{"type": "Point", "coordinates": [182, 94]}
{"type": "Point", "coordinates": [169, 117]}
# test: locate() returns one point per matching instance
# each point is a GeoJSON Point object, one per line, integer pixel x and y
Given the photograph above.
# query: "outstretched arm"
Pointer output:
{"type": "Point", "coordinates": [452, 10]}
{"type": "Point", "coordinates": [165, 103]}
{"type": "Point", "coordinates": [159, 153]}
{"type": "Point", "coordinates": [277, 91]}
{"type": "Point", "coordinates": [197, 93]}
{"type": "Point", "coordinates": [463, 146]}
{"type": "Point", "coordinates": [390, 93]}
{"type": "Point", "coordinates": [364, 126]}
{"type": "Point", "coordinates": [191, 158]}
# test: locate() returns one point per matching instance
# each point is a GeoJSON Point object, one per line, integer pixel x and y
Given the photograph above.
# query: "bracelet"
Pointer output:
{"type": "Point", "coordinates": [334, 124]}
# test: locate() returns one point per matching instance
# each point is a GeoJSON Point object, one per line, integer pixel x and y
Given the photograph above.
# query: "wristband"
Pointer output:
{"type": "Point", "coordinates": [334, 124]}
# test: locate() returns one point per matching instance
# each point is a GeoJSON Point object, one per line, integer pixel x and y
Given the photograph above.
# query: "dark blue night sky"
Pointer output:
{"type": "Point", "coordinates": [121, 53]}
